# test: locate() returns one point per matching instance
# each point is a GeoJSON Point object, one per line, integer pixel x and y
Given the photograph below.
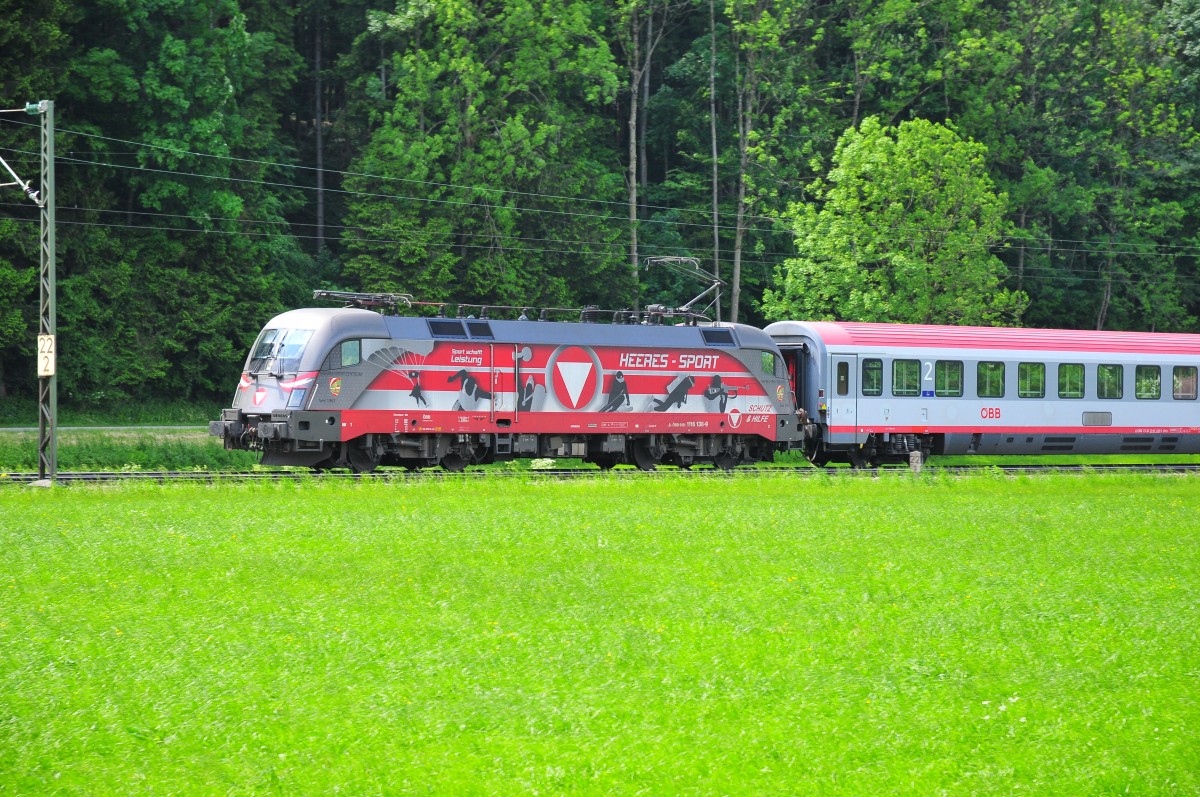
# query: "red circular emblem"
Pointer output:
{"type": "Point", "coordinates": [575, 376]}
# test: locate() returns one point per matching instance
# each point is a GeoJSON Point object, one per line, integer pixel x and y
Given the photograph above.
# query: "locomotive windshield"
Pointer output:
{"type": "Point", "coordinates": [278, 350]}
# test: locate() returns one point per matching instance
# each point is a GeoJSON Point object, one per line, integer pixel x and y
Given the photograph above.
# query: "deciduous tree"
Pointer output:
{"type": "Point", "coordinates": [901, 229]}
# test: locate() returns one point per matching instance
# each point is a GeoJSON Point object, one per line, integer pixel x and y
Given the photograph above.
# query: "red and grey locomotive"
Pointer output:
{"type": "Point", "coordinates": [350, 387]}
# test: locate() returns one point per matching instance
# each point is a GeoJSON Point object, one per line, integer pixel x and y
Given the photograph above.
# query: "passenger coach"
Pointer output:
{"type": "Point", "coordinates": [877, 393]}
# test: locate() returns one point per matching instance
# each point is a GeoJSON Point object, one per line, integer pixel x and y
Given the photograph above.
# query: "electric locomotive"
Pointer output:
{"type": "Point", "coordinates": [356, 388]}
{"type": "Point", "coordinates": [882, 393]}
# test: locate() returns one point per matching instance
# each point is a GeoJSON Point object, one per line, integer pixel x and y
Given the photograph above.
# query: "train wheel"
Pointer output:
{"type": "Point", "coordinates": [362, 459]}
{"type": "Point", "coordinates": [454, 462]}
{"type": "Point", "coordinates": [604, 461]}
{"type": "Point", "coordinates": [643, 458]}
{"type": "Point", "coordinates": [725, 461]}
{"type": "Point", "coordinates": [859, 458]}
{"type": "Point", "coordinates": [818, 456]}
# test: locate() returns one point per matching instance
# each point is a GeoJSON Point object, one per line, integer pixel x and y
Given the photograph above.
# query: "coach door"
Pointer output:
{"type": "Point", "coordinates": [843, 399]}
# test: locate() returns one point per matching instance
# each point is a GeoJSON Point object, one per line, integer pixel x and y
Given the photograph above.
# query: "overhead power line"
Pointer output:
{"type": "Point", "coordinates": [1032, 273]}
{"type": "Point", "coordinates": [1045, 243]}
{"type": "Point", "coordinates": [617, 204]}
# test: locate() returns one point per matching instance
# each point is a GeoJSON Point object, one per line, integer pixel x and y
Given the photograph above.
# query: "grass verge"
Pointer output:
{"type": "Point", "coordinates": [124, 450]}
{"type": "Point", "coordinates": [758, 635]}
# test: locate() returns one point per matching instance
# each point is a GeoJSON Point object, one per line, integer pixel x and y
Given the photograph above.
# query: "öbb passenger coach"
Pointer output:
{"type": "Point", "coordinates": [356, 388]}
{"type": "Point", "coordinates": [879, 391]}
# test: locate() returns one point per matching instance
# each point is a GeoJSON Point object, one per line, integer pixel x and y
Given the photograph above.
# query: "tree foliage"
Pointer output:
{"type": "Point", "coordinates": [480, 182]}
{"type": "Point", "coordinates": [950, 160]}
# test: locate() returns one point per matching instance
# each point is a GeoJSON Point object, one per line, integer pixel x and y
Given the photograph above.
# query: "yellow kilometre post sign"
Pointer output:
{"type": "Point", "coordinates": [45, 355]}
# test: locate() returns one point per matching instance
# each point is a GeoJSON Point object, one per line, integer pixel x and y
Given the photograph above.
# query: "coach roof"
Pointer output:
{"type": "Point", "coordinates": [919, 336]}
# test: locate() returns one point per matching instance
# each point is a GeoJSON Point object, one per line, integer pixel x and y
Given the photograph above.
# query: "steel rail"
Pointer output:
{"type": "Point", "coordinates": [81, 477]}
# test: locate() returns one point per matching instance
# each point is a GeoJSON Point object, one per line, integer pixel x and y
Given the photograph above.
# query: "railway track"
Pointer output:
{"type": "Point", "coordinates": [400, 475]}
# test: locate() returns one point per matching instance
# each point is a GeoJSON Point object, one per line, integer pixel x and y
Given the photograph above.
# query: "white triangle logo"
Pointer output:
{"type": "Point", "coordinates": [574, 376]}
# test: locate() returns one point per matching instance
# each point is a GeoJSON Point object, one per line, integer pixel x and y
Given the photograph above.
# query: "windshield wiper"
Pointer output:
{"type": "Point", "coordinates": [258, 364]}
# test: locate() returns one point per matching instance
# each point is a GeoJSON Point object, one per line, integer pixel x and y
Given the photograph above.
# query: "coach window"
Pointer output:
{"type": "Point", "coordinates": [872, 377]}
{"type": "Point", "coordinates": [843, 379]}
{"type": "Point", "coordinates": [1184, 379]}
{"type": "Point", "coordinates": [1031, 380]}
{"type": "Point", "coordinates": [1070, 380]}
{"type": "Point", "coordinates": [990, 379]}
{"type": "Point", "coordinates": [948, 378]}
{"type": "Point", "coordinates": [1108, 381]}
{"type": "Point", "coordinates": [1147, 382]}
{"type": "Point", "coordinates": [906, 377]}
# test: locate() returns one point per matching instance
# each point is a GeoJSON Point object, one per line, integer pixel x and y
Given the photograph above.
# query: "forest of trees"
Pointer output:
{"type": "Point", "coordinates": [1024, 162]}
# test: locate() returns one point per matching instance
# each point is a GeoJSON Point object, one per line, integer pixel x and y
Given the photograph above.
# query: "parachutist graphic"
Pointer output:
{"type": "Point", "coordinates": [416, 392]}
{"type": "Point", "coordinates": [676, 396]}
{"type": "Point", "coordinates": [618, 394]}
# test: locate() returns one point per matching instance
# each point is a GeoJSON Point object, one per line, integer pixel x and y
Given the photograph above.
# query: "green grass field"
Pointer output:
{"type": "Point", "coordinates": [749, 635]}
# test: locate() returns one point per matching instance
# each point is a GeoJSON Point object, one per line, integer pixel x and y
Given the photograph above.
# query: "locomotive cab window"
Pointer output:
{"type": "Point", "coordinates": [1184, 382]}
{"type": "Point", "coordinates": [872, 377]}
{"type": "Point", "coordinates": [1031, 380]}
{"type": "Point", "coordinates": [264, 346]}
{"type": "Point", "coordinates": [1108, 381]}
{"type": "Point", "coordinates": [278, 350]}
{"type": "Point", "coordinates": [1070, 381]}
{"type": "Point", "coordinates": [768, 363]}
{"type": "Point", "coordinates": [989, 379]}
{"type": "Point", "coordinates": [351, 353]}
{"type": "Point", "coordinates": [346, 354]}
{"type": "Point", "coordinates": [948, 379]}
{"type": "Point", "coordinates": [906, 378]}
{"type": "Point", "coordinates": [1147, 382]}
